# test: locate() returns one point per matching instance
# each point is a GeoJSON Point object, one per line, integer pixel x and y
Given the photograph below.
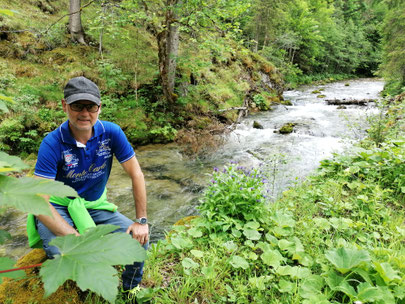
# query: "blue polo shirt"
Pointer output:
{"type": "Point", "coordinates": [85, 168]}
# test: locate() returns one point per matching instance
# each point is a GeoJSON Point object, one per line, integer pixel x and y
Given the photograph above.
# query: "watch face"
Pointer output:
{"type": "Point", "coordinates": [143, 220]}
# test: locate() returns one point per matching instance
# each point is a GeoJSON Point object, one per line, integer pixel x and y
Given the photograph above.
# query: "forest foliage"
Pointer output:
{"type": "Point", "coordinates": [165, 67]}
{"type": "Point", "coordinates": [168, 66]}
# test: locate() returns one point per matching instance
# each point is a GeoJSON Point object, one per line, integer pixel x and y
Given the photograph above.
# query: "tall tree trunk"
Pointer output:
{"type": "Point", "coordinates": [75, 22]}
{"type": "Point", "coordinates": [168, 45]}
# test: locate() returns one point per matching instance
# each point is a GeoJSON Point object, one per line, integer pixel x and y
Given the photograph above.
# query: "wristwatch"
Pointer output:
{"type": "Point", "coordinates": [142, 220]}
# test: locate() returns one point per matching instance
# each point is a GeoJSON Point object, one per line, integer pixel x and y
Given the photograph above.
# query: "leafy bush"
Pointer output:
{"type": "Point", "coordinates": [234, 194]}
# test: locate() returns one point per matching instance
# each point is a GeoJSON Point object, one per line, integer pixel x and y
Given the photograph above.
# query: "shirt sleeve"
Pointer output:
{"type": "Point", "coordinates": [121, 147]}
{"type": "Point", "coordinates": [47, 161]}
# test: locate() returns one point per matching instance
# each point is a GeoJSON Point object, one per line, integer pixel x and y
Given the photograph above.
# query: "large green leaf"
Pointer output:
{"type": "Point", "coordinates": [311, 286]}
{"type": "Point", "coordinates": [367, 292]}
{"type": "Point", "coordinates": [239, 262]}
{"type": "Point", "coordinates": [339, 283]}
{"type": "Point", "coordinates": [252, 234]}
{"type": "Point", "coordinates": [11, 163]}
{"type": "Point", "coordinates": [6, 264]}
{"type": "Point", "coordinates": [272, 258]}
{"type": "Point", "coordinates": [88, 260]}
{"type": "Point", "coordinates": [25, 193]}
{"type": "Point", "coordinates": [3, 106]}
{"type": "Point", "coordinates": [344, 259]}
{"type": "Point", "coordinates": [386, 272]}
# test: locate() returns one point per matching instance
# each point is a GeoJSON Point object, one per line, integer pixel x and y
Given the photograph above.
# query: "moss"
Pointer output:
{"type": "Point", "coordinates": [321, 96]}
{"type": "Point", "coordinates": [287, 128]}
{"type": "Point", "coordinates": [316, 92]}
{"type": "Point", "coordinates": [30, 289]}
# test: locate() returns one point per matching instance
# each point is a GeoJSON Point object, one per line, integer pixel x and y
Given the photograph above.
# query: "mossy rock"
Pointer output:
{"type": "Point", "coordinates": [316, 92]}
{"type": "Point", "coordinates": [287, 128]}
{"type": "Point", "coordinates": [347, 84]}
{"type": "Point", "coordinates": [257, 125]}
{"type": "Point", "coordinates": [321, 96]}
{"type": "Point", "coordinates": [286, 102]}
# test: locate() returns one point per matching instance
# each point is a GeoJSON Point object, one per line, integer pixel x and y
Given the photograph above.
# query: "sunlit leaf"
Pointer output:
{"type": "Point", "coordinates": [3, 107]}
{"type": "Point", "coordinates": [283, 220]}
{"type": "Point", "coordinates": [208, 272]}
{"type": "Point", "coordinates": [197, 253]}
{"type": "Point", "coordinates": [25, 193]}
{"type": "Point", "coordinates": [230, 246]}
{"type": "Point", "coordinates": [311, 286]}
{"type": "Point", "coordinates": [286, 286]}
{"type": "Point", "coordinates": [251, 234]}
{"type": "Point", "coordinates": [386, 272]}
{"type": "Point", "coordinates": [344, 259]}
{"type": "Point", "coordinates": [239, 262]}
{"type": "Point", "coordinates": [181, 242]}
{"type": "Point", "coordinates": [194, 232]}
{"type": "Point", "coordinates": [339, 283]}
{"type": "Point", "coordinates": [189, 263]}
{"type": "Point", "coordinates": [272, 258]}
{"type": "Point", "coordinates": [367, 293]}
{"type": "Point", "coordinates": [6, 264]}
{"type": "Point", "coordinates": [259, 282]}
{"type": "Point", "coordinates": [91, 256]}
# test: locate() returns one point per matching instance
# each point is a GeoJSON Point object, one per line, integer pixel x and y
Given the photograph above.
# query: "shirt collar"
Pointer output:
{"type": "Point", "coordinates": [69, 139]}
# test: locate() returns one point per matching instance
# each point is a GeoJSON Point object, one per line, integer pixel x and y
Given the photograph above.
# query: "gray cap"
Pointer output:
{"type": "Point", "coordinates": [81, 88]}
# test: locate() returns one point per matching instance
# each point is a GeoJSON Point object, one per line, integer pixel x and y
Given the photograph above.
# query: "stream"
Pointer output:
{"type": "Point", "coordinates": [174, 182]}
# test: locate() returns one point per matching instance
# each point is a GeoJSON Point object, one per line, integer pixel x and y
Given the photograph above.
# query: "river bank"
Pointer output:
{"type": "Point", "coordinates": [174, 181]}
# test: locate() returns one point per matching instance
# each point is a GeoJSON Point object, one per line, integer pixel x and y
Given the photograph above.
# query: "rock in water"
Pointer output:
{"type": "Point", "coordinates": [257, 125]}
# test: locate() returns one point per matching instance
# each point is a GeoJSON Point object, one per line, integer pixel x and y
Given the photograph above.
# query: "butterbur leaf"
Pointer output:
{"type": "Point", "coordinates": [286, 286]}
{"type": "Point", "coordinates": [189, 263]}
{"type": "Point", "coordinates": [208, 272]}
{"type": "Point", "coordinates": [230, 246]}
{"type": "Point", "coordinates": [91, 256]}
{"type": "Point", "coordinates": [181, 242]}
{"type": "Point", "coordinates": [311, 286]}
{"type": "Point", "coordinates": [3, 107]}
{"type": "Point", "coordinates": [272, 258]}
{"type": "Point", "coordinates": [367, 293]}
{"type": "Point", "coordinates": [194, 232]}
{"type": "Point", "coordinates": [197, 253]}
{"type": "Point", "coordinates": [239, 262]}
{"type": "Point", "coordinates": [24, 193]}
{"type": "Point", "coordinates": [252, 234]}
{"type": "Point", "coordinates": [339, 283]}
{"type": "Point", "coordinates": [386, 272]}
{"type": "Point", "coordinates": [11, 163]}
{"type": "Point", "coordinates": [344, 259]}
{"type": "Point", "coordinates": [4, 235]}
{"type": "Point", "coordinates": [7, 263]}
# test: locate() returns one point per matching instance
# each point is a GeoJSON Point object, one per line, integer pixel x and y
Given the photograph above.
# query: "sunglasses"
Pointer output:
{"type": "Point", "coordinates": [78, 107]}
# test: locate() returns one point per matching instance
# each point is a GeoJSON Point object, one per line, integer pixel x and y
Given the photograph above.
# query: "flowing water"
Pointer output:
{"type": "Point", "coordinates": [174, 182]}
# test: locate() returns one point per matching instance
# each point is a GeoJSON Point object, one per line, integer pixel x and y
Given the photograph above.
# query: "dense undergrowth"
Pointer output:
{"type": "Point", "coordinates": [337, 238]}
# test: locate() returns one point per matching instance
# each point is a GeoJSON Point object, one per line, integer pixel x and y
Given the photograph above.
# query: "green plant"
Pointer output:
{"type": "Point", "coordinates": [260, 102]}
{"type": "Point", "coordinates": [235, 194]}
{"type": "Point", "coordinates": [166, 133]}
{"type": "Point", "coordinates": [82, 258]}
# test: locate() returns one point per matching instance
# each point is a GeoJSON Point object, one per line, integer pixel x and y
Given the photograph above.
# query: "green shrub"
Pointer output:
{"type": "Point", "coordinates": [235, 194]}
